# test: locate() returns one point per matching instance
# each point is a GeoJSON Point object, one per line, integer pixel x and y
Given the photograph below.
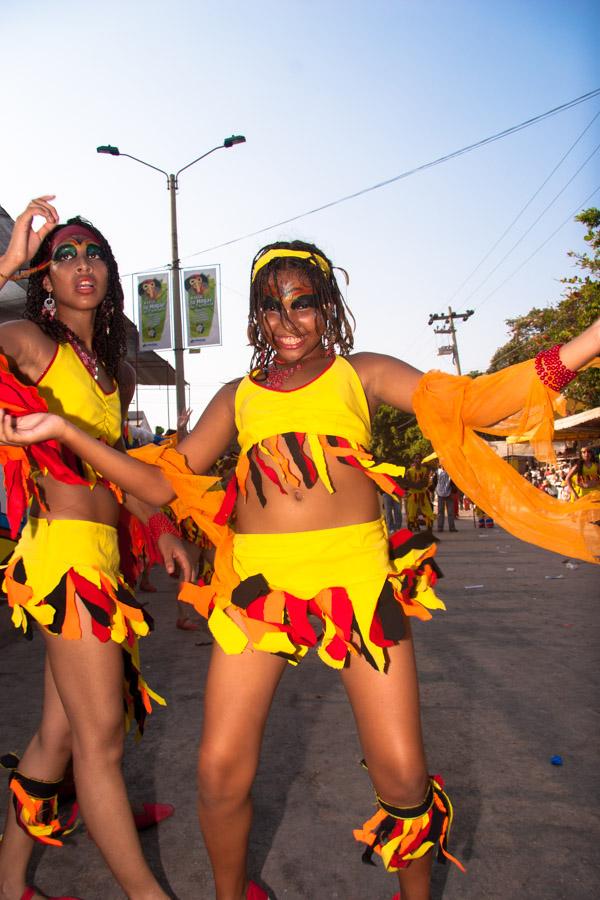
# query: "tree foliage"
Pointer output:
{"type": "Point", "coordinates": [397, 437]}
{"type": "Point", "coordinates": [540, 329]}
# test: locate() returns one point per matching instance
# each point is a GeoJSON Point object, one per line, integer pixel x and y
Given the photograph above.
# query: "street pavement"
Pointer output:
{"type": "Point", "coordinates": [509, 679]}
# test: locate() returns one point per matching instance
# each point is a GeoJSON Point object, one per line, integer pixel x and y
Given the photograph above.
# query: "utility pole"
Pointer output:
{"type": "Point", "coordinates": [173, 187]}
{"type": "Point", "coordinates": [448, 319]}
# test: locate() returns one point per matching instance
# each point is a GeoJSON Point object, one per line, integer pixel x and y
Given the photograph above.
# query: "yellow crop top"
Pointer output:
{"type": "Point", "coordinates": [71, 392]}
{"type": "Point", "coordinates": [327, 417]}
{"type": "Point", "coordinates": [332, 403]}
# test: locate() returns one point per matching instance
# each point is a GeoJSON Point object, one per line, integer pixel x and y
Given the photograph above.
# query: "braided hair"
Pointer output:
{"type": "Point", "coordinates": [329, 301]}
{"type": "Point", "coordinates": [109, 341]}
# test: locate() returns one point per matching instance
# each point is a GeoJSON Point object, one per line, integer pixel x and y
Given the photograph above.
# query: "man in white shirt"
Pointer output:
{"type": "Point", "coordinates": [445, 500]}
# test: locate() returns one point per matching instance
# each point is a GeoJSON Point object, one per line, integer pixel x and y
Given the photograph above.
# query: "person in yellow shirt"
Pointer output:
{"type": "Point", "coordinates": [418, 502]}
{"type": "Point", "coordinates": [584, 476]}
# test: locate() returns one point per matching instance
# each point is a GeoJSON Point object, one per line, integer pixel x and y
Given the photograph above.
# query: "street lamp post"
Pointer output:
{"type": "Point", "coordinates": [172, 187]}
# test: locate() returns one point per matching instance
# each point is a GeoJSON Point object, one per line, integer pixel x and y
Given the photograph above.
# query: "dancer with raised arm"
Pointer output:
{"type": "Point", "coordinates": [64, 578]}
{"type": "Point", "coordinates": [310, 563]}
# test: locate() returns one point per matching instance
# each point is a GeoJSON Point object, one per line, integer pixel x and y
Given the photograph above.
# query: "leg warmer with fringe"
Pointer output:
{"type": "Point", "coordinates": [401, 834]}
{"type": "Point", "coordinates": [36, 805]}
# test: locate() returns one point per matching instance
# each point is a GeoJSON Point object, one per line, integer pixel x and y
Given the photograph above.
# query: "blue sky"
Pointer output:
{"type": "Point", "coordinates": [332, 97]}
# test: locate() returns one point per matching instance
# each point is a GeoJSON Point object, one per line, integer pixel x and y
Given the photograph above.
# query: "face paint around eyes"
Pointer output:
{"type": "Point", "coordinates": [64, 251]}
{"type": "Point", "coordinates": [69, 250]}
{"type": "Point", "coordinates": [306, 301]}
{"type": "Point", "coordinates": [94, 251]}
{"type": "Point", "coordinates": [269, 304]}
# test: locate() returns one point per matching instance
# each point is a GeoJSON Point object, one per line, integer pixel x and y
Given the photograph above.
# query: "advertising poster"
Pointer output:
{"type": "Point", "coordinates": [154, 311]}
{"type": "Point", "coordinates": [201, 290]}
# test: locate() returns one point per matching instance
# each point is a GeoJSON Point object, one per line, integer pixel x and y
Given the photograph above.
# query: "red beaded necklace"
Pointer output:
{"type": "Point", "coordinates": [278, 374]}
{"type": "Point", "coordinates": [87, 357]}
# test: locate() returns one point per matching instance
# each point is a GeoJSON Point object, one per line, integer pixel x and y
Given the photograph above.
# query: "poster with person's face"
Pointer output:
{"type": "Point", "coordinates": [154, 311]}
{"type": "Point", "coordinates": [201, 291]}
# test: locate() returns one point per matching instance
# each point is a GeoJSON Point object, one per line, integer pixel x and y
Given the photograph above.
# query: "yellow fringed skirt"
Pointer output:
{"type": "Point", "coordinates": [350, 581]}
{"type": "Point", "coordinates": [55, 562]}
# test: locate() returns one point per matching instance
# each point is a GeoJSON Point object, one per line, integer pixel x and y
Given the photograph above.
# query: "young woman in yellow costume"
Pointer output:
{"type": "Point", "coordinates": [309, 562]}
{"type": "Point", "coordinates": [64, 576]}
{"type": "Point", "coordinates": [418, 502]}
{"type": "Point", "coordinates": [583, 477]}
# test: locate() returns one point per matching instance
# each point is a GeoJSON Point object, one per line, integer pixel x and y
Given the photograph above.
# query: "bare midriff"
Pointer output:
{"type": "Point", "coordinates": [75, 501]}
{"type": "Point", "coordinates": [354, 501]}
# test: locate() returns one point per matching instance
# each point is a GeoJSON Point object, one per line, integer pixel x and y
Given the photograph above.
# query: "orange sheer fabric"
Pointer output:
{"type": "Point", "coordinates": [450, 410]}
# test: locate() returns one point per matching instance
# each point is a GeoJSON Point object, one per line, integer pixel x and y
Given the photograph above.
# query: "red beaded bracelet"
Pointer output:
{"type": "Point", "coordinates": [551, 369]}
{"type": "Point", "coordinates": [159, 523]}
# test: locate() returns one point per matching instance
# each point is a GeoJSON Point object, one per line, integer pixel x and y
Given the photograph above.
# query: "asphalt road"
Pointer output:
{"type": "Point", "coordinates": [510, 678]}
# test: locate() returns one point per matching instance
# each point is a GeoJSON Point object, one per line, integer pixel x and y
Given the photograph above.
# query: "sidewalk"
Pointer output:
{"type": "Point", "coordinates": [509, 677]}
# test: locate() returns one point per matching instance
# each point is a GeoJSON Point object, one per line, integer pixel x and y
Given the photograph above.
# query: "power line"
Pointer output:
{"type": "Point", "coordinates": [569, 218]}
{"type": "Point", "coordinates": [533, 224]}
{"type": "Point", "coordinates": [428, 165]}
{"type": "Point", "coordinates": [524, 208]}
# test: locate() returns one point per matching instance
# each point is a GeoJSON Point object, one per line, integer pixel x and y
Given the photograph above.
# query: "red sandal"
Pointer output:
{"type": "Point", "coordinates": [152, 815]}
{"type": "Point", "coordinates": [255, 892]}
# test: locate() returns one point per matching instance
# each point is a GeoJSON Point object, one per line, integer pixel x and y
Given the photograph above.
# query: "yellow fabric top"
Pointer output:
{"type": "Point", "coordinates": [71, 392]}
{"type": "Point", "coordinates": [332, 403]}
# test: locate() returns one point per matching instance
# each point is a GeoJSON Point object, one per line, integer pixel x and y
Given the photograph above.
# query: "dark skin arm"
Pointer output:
{"type": "Point", "coordinates": [175, 552]}
{"type": "Point", "coordinates": [209, 439]}
{"type": "Point", "coordinates": [388, 380]}
{"type": "Point", "coordinates": [385, 380]}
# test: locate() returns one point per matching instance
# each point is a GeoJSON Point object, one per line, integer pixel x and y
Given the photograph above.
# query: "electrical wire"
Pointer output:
{"type": "Point", "coordinates": [533, 224]}
{"type": "Point", "coordinates": [523, 209]}
{"type": "Point", "coordinates": [569, 218]}
{"type": "Point", "coordinates": [421, 168]}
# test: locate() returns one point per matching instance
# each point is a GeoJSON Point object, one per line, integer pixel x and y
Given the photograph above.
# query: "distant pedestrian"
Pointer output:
{"type": "Point", "coordinates": [418, 504]}
{"type": "Point", "coordinates": [392, 511]}
{"type": "Point", "coordinates": [445, 491]}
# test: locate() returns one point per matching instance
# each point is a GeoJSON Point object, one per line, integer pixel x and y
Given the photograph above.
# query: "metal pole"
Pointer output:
{"type": "Point", "coordinates": [168, 398]}
{"type": "Point", "coordinates": [454, 342]}
{"type": "Point", "coordinates": [177, 326]}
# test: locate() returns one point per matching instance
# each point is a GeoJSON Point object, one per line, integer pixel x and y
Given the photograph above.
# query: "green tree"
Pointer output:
{"type": "Point", "coordinates": [540, 329]}
{"type": "Point", "coordinates": [397, 437]}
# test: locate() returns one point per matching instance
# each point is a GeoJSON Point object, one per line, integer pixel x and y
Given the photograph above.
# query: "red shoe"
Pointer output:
{"type": "Point", "coordinates": [29, 892]}
{"type": "Point", "coordinates": [187, 625]}
{"type": "Point", "coordinates": [152, 815]}
{"type": "Point", "coordinates": [255, 892]}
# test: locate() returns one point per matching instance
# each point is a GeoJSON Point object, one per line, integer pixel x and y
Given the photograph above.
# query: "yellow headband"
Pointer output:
{"type": "Point", "coordinates": [267, 257]}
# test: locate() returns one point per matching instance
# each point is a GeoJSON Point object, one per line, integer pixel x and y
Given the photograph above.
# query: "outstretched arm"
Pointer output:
{"type": "Point", "coordinates": [388, 380]}
{"type": "Point", "coordinates": [209, 439]}
{"type": "Point", "coordinates": [131, 475]}
{"type": "Point", "coordinates": [213, 432]}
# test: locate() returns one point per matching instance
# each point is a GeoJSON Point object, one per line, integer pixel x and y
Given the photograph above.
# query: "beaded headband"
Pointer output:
{"type": "Point", "coordinates": [270, 255]}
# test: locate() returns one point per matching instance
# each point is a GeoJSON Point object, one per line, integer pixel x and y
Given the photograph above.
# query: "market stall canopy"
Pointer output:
{"type": "Point", "coordinates": [583, 426]}
{"type": "Point", "coordinates": [151, 368]}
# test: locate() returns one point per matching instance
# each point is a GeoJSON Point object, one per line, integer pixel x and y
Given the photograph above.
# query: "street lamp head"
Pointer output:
{"type": "Point", "coordinates": [107, 148]}
{"type": "Point", "coordinates": [234, 139]}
